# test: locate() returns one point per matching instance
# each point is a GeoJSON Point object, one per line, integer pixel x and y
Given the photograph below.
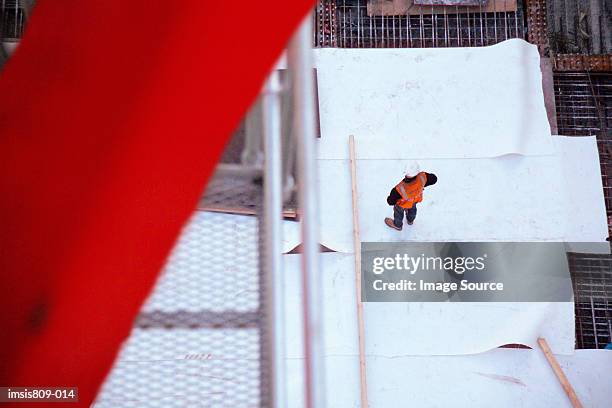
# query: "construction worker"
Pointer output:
{"type": "Point", "coordinates": [407, 193]}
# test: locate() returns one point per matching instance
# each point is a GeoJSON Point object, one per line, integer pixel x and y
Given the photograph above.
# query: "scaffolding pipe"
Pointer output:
{"type": "Point", "coordinates": [300, 68]}
{"type": "Point", "coordinates": [272, 236]}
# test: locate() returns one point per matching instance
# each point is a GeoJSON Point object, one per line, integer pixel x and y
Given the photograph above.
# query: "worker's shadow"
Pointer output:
{"type": "Point", "coordinates": [465, 250]}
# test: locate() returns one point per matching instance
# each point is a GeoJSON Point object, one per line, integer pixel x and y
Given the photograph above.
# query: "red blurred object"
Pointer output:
{"type": "Point", "coordinates": [112, 117]}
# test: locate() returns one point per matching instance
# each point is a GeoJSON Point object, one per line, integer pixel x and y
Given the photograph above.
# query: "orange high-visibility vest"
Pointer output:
{"type": "Point", "coordinates": [412, 192]}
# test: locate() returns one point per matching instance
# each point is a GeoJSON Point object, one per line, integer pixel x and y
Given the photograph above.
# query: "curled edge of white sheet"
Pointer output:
{"type": "Point", "coordinates": [419, 328]}
{"type": "Point", "coordinates": [505, 378]}
{"type": "Point", "coordinates": [489, 104]}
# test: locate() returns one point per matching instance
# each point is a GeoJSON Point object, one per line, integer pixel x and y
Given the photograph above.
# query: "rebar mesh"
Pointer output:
{"type": "Point", "coordinates": [592, 280]}
{"type": "Point", "coordinates": [584, 107]}
{"type": "Point", "coordinates": [347, 24]}
{"type": "Point", "coordinates": [584, 103]}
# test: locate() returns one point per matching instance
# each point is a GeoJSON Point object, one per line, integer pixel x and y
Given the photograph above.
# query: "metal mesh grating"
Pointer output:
{"type": "Point", "coordinates": [185, 367]}
{"type": "Point", "coordinates": [592, 280]}
{"type": "Point", "coordinates": [199, 274]}
{"type": "Point", "coordinates": [221, 193]}
{"type": "Point", "coordinates": [347, 24]}
{"type": "Point", "coordinates": [199, 338]}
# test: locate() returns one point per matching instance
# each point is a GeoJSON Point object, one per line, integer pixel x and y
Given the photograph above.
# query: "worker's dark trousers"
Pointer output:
{"type": "Point", "coordinates": [398, 215]}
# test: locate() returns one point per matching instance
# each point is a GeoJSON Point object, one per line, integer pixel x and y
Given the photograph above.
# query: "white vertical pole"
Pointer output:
{"type": "Point", "coordinates": [301, 73]}
{"type": "Point", "coordinates": [272, 236]}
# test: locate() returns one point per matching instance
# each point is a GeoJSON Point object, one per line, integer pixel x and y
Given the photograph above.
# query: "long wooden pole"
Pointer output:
{"type": "Point", "coordinates": [357, 241]}
{"type": "Point", "coordinates": [567, 387]}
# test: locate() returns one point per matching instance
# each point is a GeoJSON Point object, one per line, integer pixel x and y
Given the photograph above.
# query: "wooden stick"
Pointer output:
{"type": "Point", "coordinates": [567, 387]}
{"type": "Point", "coordinates": [228, 210]}
{"type": "Point", "coordinates": [242, 211]}
{"type": "Point", "coordinates": [357, 241]}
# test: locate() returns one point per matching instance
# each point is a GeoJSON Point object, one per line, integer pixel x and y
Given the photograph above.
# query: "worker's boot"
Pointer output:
{"type": "Point", "coordinates": [391, 224]}
{"type": "Point", "coordinates": [409, 222]}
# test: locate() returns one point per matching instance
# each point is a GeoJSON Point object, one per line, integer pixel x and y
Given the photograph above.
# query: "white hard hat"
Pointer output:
{"type": "Point", "coordinates": [412, 169]}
